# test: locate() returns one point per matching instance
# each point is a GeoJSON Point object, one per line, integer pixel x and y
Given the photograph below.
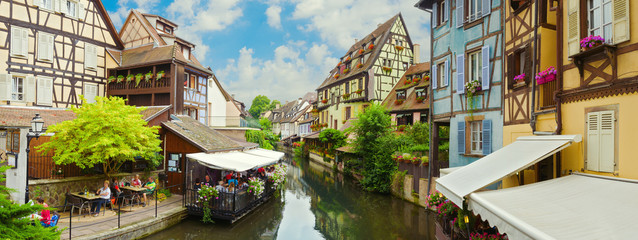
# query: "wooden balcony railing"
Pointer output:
{"type": "Point", "coordinates": [153, 83]}
{"type": "Point", "coordinates": [546, 95]}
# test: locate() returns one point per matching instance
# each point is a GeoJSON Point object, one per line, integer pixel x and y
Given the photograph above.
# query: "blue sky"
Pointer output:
{"type": "Point", "coordinates": [278, 48]}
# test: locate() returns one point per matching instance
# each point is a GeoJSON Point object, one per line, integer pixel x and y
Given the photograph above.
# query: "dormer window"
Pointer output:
{"type": "Point", "coordinates": [168, 29]}
{"type": "Point", "coordinates": [164, 27]}
{"type": "Point", "coordinates": [401, 94]}
{"type": "Point", "coordinates": [186, 51]}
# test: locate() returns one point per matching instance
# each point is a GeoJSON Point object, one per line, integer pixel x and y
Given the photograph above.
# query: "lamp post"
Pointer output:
{"type": "Point", "coordinates": [37, 125]}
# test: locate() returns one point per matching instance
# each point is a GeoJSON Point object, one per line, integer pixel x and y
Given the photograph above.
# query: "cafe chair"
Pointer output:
{"type": "Point", "coordinates": [77, 203]}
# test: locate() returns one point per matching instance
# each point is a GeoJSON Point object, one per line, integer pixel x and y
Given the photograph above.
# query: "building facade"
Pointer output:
{"type": "Point", "coordinates": [408, 102]}
{"type": "Point", "coordinates": [366, 73]}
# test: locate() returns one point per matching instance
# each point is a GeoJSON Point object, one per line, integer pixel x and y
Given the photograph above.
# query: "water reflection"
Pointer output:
{"type": "Point", "coordinates": [318, 204]}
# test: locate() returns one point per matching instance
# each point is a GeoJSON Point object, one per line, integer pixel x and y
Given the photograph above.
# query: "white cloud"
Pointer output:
{"type": "Point", "coordinates": [124, 8]}
{"type": "Point", "coordinates": [274, 18]}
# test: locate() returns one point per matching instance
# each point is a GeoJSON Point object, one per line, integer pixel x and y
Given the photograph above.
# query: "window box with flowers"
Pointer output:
{"type": "Point", "coordinates": [361, 51]}
{"type": "Point", "coordinates": [399, 101]}
{"type": "Point", "coordinates": [547, 75]}
{"type": "Point", "coordinates": [324, 100]}
{"type": "Point", "coordinates": [426, 78]}
{"type": "Point", "coordinates": [420, 99]}
{"type": "Point", "coordinates": [112, 79]}
{"type": "Point", "coordinates": [160, 75]}
{"type": "Point", "coordinates": [346, 96]}
{"type": "Point", "coordinates": [590, 42]}
{"type": "Point", "coordinates": [371, 46]}
{"type": "Point", "coordinates": [416, 79]}
{"type": "Point", "coordinates": [348, 58]}
{"type": "Point", "coordinates": [398, 48]}
{"type": "Point", "coordinates": [347, 70]}
{"type": "Point", "coordinates": [360, 65]}
{"type": "Point", "coordinates": [407, 81]}
{"type": "Point", "coordinates": [358, 91]}
{"type": "Point", "coordinates": [120, 78]}
{"type": "Point", "coordinates": [471, 89]}
{"type": "Point", "coordinates": [148, 76]}
{"type": "Point", "coordinates": [519, 80]}
{"type": "Point", "coordinates": [387, 69]}
{"type": "Point", "coordinates": [337, 76]}
{"type": "Point", "coordinates": [130, 77]}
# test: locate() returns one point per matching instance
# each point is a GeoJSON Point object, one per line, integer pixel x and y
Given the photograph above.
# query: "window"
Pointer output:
{"type": "Point", "coordinates": [19, 42]}
{"type": "Point", "coordinates": [46, 4]}
{"type": "Point", "coordinates": [173, 162]}
{"type": "Point", "coordinates": [186, 77]}
{"type": "Point", "coordinates": [405, 66]}
{"type": "Point", "coordinates": [168, 29]}
{"type": "Point", "coordinates": [90, 92]}
{"type": "Point", "coordinates": [389, 63]}
{"type": "Point", "coordinates": [474, 64]}
{"type": "Point", "coordinates": [401, 94]}
{"type": "Point", "coordinates": [90, 56]}
{"type": "Point", "coordinates": [360, 82]}
{"type": "Point", "coordinates": [17, 90]}
{"type": "Point", "coordinates": [519, 62]}
{"type": "Point", "coordinates": [187, 52]}
{"type": "Point", "coordinates": [347, 88]}
{"type": "Point", "coordinates": [518, 4]}
{"type": "Point", "coordinates": [600, 18]}
{"type": "Point", "coordinates": [473, 10]}
{"type": "Point", "coordinates": [440, 75]}
{"type": "Point", "coordinates": [348, 112]}
{"type": "Point", "coordinates": [71, 9]}
{"type": "Point", "coordinates": [13, 140]}
{"type": "Point", "coordinates": [193, 82]}
{"type": "Point", "coordinates": [404, 119]}
{"type": "Point", "coordinates": [601, 141]}
{"type": "Point", "coordinates": [421, 92]}
{"type": "Point", "coordinates": [476, 137]}
{"type": "Point", "coordinates": [440, 11]}
{"type": "Point", "coordinates": [45, 46]}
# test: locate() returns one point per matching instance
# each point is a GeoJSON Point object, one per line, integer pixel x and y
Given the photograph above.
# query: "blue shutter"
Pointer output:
{"type": "Point", "coordinates": [446, 71]}
{"type": "Point", "coordinates": [460, 77]}
{"type": "Point", "coordinates": [487, 137]}
{"type": "Point", "coordinates": [433, 80]}
{"type": "Point", "coordinates": [485, 70]}
{"type": "Point", "coordinates": [460, 14]}
{"type": "Point", "coordinates": [461, 137]}
{"type": "Point", "coordinates": [434, 22]}
{"type": "Point", "coordinates": [487, 7]}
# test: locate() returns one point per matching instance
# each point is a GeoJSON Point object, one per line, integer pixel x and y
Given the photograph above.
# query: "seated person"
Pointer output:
{"type": "Point", "coordinates": [45, 214]}
{"type": "Point", "coordinates": [220, 187]}
{"type": "Point", "coordinates": [198, 184]}
{"type": "Point", "coordinates": [150, 187]}
{"type": "Point", "coordinates": [105, 196]}
{"type": "Point", "coordinates": [115, 189]}
{"type": "Point", "coordinates": [207, 181]}
{"type": "Point", "coordinates": [229, 175]}
{"type": "Point", "coordinates": [233, 180]}
{"type": "Point", "coordinates": [136, 181]}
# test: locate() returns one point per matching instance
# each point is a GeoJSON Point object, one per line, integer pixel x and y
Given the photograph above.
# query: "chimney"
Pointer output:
{"type": "Point", "coordinates": [356, 40]}
{"type": "Point", "coordinates": [417, 53]}
{"type": "Point", "coordinates": [277, 106]}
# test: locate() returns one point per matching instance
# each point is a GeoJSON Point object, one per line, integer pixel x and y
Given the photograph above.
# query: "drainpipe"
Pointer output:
{"type": "Point", "coordinates": [559, 62]}
{"type": "Point", "coordinates": [431, 98]}
{"type": "Point", "coordinates": [532, 121]}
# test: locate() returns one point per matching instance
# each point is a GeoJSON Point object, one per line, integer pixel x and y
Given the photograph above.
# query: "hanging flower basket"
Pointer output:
{"type": "Point", "coordinates": [590, 42]}
{"type": "Point", "coordinates": [130, 77]}
{"type": "Point", "coordinates": [120, 78]}
{"type": "Point", "coordinates": [138, 78]}
{"type": "Point", "coordinates": [361, 51]}
{"type": "Point", "coordinates": [420, 99]}
{"type": "Point", "coordinates": [398, 48]}
{"type": "Point", "coordinates": [339, 64]}
{"type": "Point", "coordinates": [160, 75]}
{"type": "Point", "coordinates": [387, 69]}
{"type": "Point", "coordinates": [348, 59]}
{"type": "Point", "coordinates": [324, 101]}
{"type": "Point", "coordinates": [360, 65]}
{"type": "Point", "coordinates": [399, 101]}
{"type": "Point", "coordinates": [547, 75]}
{"type": "Point", "coordinates": [111, 79]}
{"type": "Point", "coordinates": [148, 76]}
{"type": "Point", "coordinates": [471, 89]}
{"type": "Point", "coordinates": [358, 91]}
{"type": "Point", "coordinates": [371, 46]}
{"type": "Point", "coordinates": [337, 76]}
{"type": "Point", "coordinates": [346, 96]}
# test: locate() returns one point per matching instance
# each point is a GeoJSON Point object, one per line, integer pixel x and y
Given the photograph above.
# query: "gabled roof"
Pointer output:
{"type": "Point", "coordinates": [201, 136]}
{"type": "Point", "coordinates": [153, 111]}
{"type": "Point", "coordinates": [379, 36]}
{"type": "Point", "coordinates": [410, 102]}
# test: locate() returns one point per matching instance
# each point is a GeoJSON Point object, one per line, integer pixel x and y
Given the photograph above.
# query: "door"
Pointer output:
{"type": "Point", "coordinates": [174, 171]}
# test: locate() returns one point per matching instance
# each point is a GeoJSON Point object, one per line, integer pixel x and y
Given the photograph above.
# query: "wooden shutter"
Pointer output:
{"type": "Point", "coordinates": [593, 141]}
{"type": "Point", "coordinates": [81, 11]}
{"type": "Point", "coordinates": [447, 10]}
{"type": "Point", "coordinates": [528, 63]}
{"type": "Point", "coordinates": [435, 15]}
{"type": "Point", "coordinates": [434, 79]}
{"type": "Point", "coordinates": [487, 137]}
{"type": "Point", "coordinates": [63, 7]}
{"type": "Point", "coordinates": [621, 21]}
{"type": "Point", "coordinates": [25, 42]}
{"type": "Point", "coordinates": [45, 91]}
{"type": "Point", "coordinates": [607, 136]}
{"type": "Point", "coordinates": [90, 92]}
{"type": "Point", "coordinates": [446, 71]}
{"type": "Point", "coordinates": [460, 76]}
{"type": "Point", "coordinates": [573, 27]}
{"type": "Point", "coordinates": [485, 70]}
{"type": "Point", "coordinates": [461, 137]}
{"type": "Point", "coordinates": [16, 41]}
{"type": "Point", "coordinates": [487, 7]}
{"type": "Point", "coordinates": [5, 87]}
{"type": "Point", "coordinates": [90, 56]}
{"type": "Point", "coordinates": [29, 89]}
{"type": "Point", "coordinates": [460, 14]}
{"type": "Point", "coordinates": [511, 66]}
{"type": "Point", "coordinates": [42, 47]}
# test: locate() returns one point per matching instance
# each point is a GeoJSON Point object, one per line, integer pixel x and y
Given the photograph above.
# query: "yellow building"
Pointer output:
{"type": "Point", "coordinates": [366, 73]}
{"type": "Point", "coordinates": [599, 87]}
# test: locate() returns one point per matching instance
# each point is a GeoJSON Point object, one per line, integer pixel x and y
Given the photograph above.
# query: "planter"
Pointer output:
{"type": "Point", "coordinates": [324, 101]}
{"type": "Point", "coordinates": [546, 79]}
{"type": "Point", "coordinates": [398, 48]}
{"type": "Point", "coordinates": [148, 77]}
{"type": "Point", "coordinates": [359, 65]}
{"type": "Point", "coordinates": [336, 76]}
{"type": "Point", "coordinates": [160, 75]}
{"type": "Point", "coordinates": [398, 101]}
{"type": "Point", "coordinates": [590, 42]}
{"type": "Point", "coordinates": [519, 84]}
{"type": "Point", "coordinates": [420, 99]}
{"type": "Point", "coordinates": [386, 69]}
{"type": "Point", "coordinates": [358, 91]}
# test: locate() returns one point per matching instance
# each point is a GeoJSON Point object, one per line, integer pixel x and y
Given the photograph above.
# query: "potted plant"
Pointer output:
{"type": "Point", "coordinates": [138, 78]}
{"type": "Point", "coordinates": [120, 78]}
{"type": "Point", "coordinates": [408, 81]}
{"type": "Point", "coordinates": [547, 75]}
{"type": "Point", "coordinates": [420, 99]}
{"type": "Point", "coordinates": [337, 76]}
{"type": "Point", "coordinates": [358, 91]}
{"type": "Point", "coordinates": [148, 76]}
{"type": "Point", "coordinates": [360, 65]}
{"type": "Point", "coordinates": [416, 79]}
{"type": "Point", "coordinates": [361, 51]}
{"type": "Point", "coordinates": [111, 79]}
{"type": "Point", "coordinates": [130, 77]}
{"type": "Point", "coordinates": [160, 75]}
{"type": "Point", "coordinates": [346, 96]}
{"type": "Point", "coordinates": [387, 69]}
{"type": "Point", "coordinates": [398, 48]}
{"type": "Point", "coordinates": [426, 78]}
{"type": "Point", "coordinates": [519, 80]}
{"type": "Point", "coordinates": [324, 100]}
{"type": "Point", "coordinates": [399, 101]}
{"type": "Point", "coordinates": [471, 89]}
{"type": "Point", "coordinates": [590, 42]}
{"type": "Point", "coordinates": [371, 46]}
{"type": "Point", "coordinates": [348, 58]}
{"type": "Point", "coordinates": [346, 70]}
{"type": "Point", "coordinates": [425, 160]}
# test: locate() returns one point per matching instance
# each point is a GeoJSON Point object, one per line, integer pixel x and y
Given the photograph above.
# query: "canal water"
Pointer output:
{"type": "Point", "coordinates": [317, 204]}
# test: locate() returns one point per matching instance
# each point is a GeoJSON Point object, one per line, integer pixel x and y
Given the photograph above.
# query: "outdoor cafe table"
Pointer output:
{"type": "Point", "coordinates": [134, 189]}
{"type": "Point", "coordinates": [89, 197]}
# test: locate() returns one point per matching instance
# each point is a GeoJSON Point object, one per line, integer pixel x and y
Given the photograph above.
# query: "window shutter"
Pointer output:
{"type": "Point", "coordinates": [25, 42]}
{"type": "Point", "coordinates": [63, 7]}
{"type": "Point", "coordinates": [51, 43]}
{"type": "Point", "coordinates": [57, 5]}
{"type": "Point", "coordinates": [486, 68]}
{"type": "Point", "coordinates": [621, 21]}
{"type": "Point", "coordinates": [434, 80]}
{"type": "Point", "coordinates": [573, 27]}
{"type": "Point", "coordinates": [90, 58]}
{"type": "Point", "coordinates": [5, 87]}
{"type": "Point", "coordinates": [90, 92]}
{"type": "Point", "coordinates": [460, 77]}
{"type": "Point", "coordinates": [510, 70]}
{"type": "Point", "coordinates": [16, 41]}
{"type": "Point", "coordinates": [487, 7]}
{"type": "Point", "coordinates": [37, 3]}
{"type": "Point", "coordinates": [446, 71]}
{"type": "Point", "coordinates": [81, 11]}
{"type": "Point", "coordinates": [42, 47]}
{"type": "Point", "coordinates": [461, 137]}
{"type": "Point", "coordinates": [487, 137]}
{"type": "Point", "coordinates": [606, 160]}
{"type": "Point", "coordinates": [593, 141]}
{"type": "Point", "coordinates": [460, 14]}
{"type": "Point", "coordinates": [528, 63]}
{"type": "Point", "coordinates": [447, 10]}
{"type": "Point", "coordinates": [45, 91]}
{"type": "Point", "coordinates": [29, 89]}
{"type": "Point", "coordinates": [435, 14]}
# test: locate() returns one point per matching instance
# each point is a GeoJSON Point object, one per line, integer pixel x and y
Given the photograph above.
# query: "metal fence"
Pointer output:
{"type": "Point", "coordinates": [227, 206]}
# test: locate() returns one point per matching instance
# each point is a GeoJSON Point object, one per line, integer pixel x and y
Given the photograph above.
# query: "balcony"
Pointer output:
{"type": "Point", "coordinates": [152, 86]}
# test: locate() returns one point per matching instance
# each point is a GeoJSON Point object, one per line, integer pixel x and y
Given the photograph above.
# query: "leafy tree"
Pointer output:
{"type": "Point", "coordinates": [375, 143]}
{"type": "Point", "coordinates": [106, 132]}
{"type": "Point", "coordinates": [334, 138]}
{"type": "Point", "coordinates": [273, 104]}
{"type": "Point", "coordinates": [14, 221]}
{"type": "Point", "coordinates": [265, 139]}
{"type": "Point", "coordinates": [260, 104]}
{"type": "Point", "coordinates": [265, 124]}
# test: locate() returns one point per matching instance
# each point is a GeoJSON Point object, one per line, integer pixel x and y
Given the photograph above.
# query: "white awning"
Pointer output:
{"type": "Point", "coordinates": [235, 161]}
{"type": "Point", "coordinates": [446, 171]}
{"type": "Point", "coordinates": [578, 206]}
{"type": "Point", "coordinates": [266, 153]}
{"type": "Point", "coordinates": [508, 160]}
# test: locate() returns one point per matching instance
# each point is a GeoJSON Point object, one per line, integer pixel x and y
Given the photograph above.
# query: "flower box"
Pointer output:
{"type": "Point", "coordinates": [399, 101]}
{"type": "Point", "coordinates": [519, 84]}
{"type": "Point", "coordinates": [111, 79]}
{"type": "Point", "coordinates": [160, 75]}
{"type": "Point", "coordinates": [386, 69]}
{"type": "Point", "coordinates": [426, 78]}
{"type": "Point", "coordinates": [130, 77]}
{"type": "Point", "coordinates": [348, 59]}
{"type": "Point", "coordinates": [520, 78]}
{"type": "Point", "coordinates": [138, 78]}
{"type": "Point", "coordinates": [420, 99]}
{"type": "Point", "coordinates": [547, 75]}
{"type": "Point", "coordinates": [371, 47]}
{"type": "Point", "coordinates": [361, 51]}
{"type": "Point", "coordinates": [360, 65]}
{"type": "Point", "coordinates": [347, 70]}
{"type": "Point", "coordinates": [416, 80]}
{"type": "Point", "coordinates": [398, 48]}
{"type": "Point", "coordinates": [346, 96]}
{"type": "Point", "coordinates": [408, 81]}
{"type": "Point", "coordinates": [590, 42]}
{"type": "Point", "coordinates": [358, 91]}
{"type": "Point", "coordinates": [337, 76]}
{"type": "Point", "coordinates": [149, 76]}
{"type": "Point", "coordinates": [120, 78]}
{"type": "Point", "coordinates": [472, 87]}
{"type": "Point", "coordinates": [324, 101]}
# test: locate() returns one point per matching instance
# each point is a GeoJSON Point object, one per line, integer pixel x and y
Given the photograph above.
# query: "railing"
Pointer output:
{"type": "Point", "coordinates": [153, 83]}
{"type": "Point", "coordinates": [546, 95]}
{"type": "Point", "coordinates": [43, 167]}
{"type": "Point", "coordinates": [227, 206]}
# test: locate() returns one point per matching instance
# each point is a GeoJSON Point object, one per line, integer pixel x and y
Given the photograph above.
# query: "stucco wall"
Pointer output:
{"type": "Point", "coordinates": [456, 159]}
{"type": "Point", "coordinates": [217, 110]}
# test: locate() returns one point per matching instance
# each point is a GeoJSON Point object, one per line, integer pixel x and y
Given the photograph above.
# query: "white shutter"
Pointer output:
{"type": "Point", "coordinates": [621, 21]}
{"type": "Point", "coordinates": [5, 86]}
{"type": "Point", "coordinates": [485, 70]}
{"type": "Point", "coordinates": [37, 3]}
{"type": "Point", "coordinates": [81, 11]}
{"type": "Point", "coordinates": [460, 14]}
{"type": "Point", "coordinates": [487, 7]}
{"type": "Point", "coordinates": [50, 44]}
{"type": "Point", "coordinates": [45, 91]}
{"type": "Point", "coordinates": [90, 91]}
{"type": "Point", "coordinates": [460, 76]}
{"type": "Point", "coordinates": [25, 42]}
{"type": "Point", "coordinates": [16, 41]}
{"type": "Point", "coordinates": [90, 56]}
{"type": "Point", "coordinates": [63, 7]}
{"type": "Point", "coordinates": [447, 10]}
{"type": "Point", "coordinates": [42, 48]}
{"type": "Point", "coordinates": [446, 72]}
{"type": "Point", "coordinates": [573, 27]}
{"type": "Point", "coordinates": [607, 132]}
{"type": "Point", "coordinates": [29, 89]}
{"type": "Point", "coordinates": [593, 141]}
{"type": "Point", "coordinates": [435, 14]}
{"type": "Point", "coordinates": [434, 80]}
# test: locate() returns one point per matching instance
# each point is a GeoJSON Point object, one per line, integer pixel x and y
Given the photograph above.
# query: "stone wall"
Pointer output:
{"type": "Point", "coordinates": [402, 188]}
{"type": "Point", "coordinates": [54, 190]}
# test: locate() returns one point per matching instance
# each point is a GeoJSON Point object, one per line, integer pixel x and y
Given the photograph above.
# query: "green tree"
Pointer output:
{"type": "Point", "coordinates": [106, 132]}
{"type": "Point", "coordinates": [265, 139]}
{"type": "Point", "coordinates": [334, 138]}
{"type": "Point", "coordinates": [260, 104]}
{"type": "Point", "coordinates": [375, 143]}
{"type": "Point", "coordinates": [265, 124]}
{"type": "Point", "coordinates": [14, 221]}
{"type": "Point", "coordinates": [273, 104]}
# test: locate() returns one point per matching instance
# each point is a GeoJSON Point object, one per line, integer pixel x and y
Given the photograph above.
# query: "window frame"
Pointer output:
{"type": "Point", "coordinates": [401, 94]}
{"type": "Point", "coordinates": [478, 140]}
{"type": "Point", "coordinates": [421, 92]}
{"type": "Point", "coordinates": [601, 24]}
{"type": "Point", "coordinates": [74, 9]}
{"type": "Point", "coordinates": [440, 75]}
{"type": "Point", "coordinates": [477, 14]}
{"type": "Point", "coordinates": [14, 88]}
{"type": "Point", "coordinates": [469, 70]}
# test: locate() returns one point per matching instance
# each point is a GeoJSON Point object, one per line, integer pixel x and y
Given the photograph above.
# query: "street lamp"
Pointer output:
{"type": "Point", "coordinates": [37, 125]}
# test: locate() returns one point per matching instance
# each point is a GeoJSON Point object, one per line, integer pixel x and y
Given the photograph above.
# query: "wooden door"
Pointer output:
{"type": "Point", "coordinates": [174, 171]}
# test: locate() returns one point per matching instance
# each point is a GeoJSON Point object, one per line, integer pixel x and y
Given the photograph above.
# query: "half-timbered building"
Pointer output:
{"type": "Point", "coordinates": [158, 68]}
{"type": "Point", "coordinates": [366, 73]}
{"type": "Point", "coordinates": [466, 48]}
{"type": "Point", "coordinates": [408, 102]}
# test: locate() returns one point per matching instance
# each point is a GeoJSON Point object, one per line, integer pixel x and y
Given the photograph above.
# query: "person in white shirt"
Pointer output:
{"type": "Point", "coordinates": [105, 196]}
